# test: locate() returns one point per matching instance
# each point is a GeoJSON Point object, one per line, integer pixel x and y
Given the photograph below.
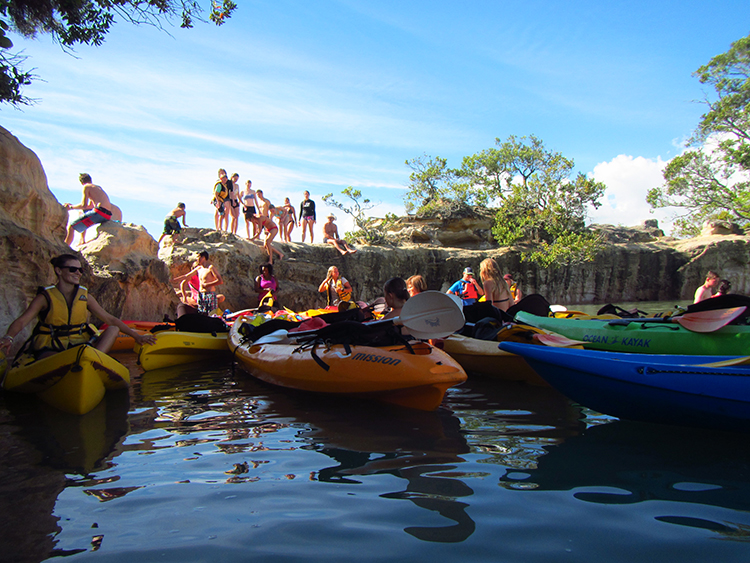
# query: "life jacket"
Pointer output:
{"type": "Point", "coordinates": [338, 286]}
{"type": "Point", "coordinates": [513, 290]}
{"type": "Point", "coordinates": [60, 328]}
{"type": "Point", "coordinates": [221, 192]}
{"type": "Point", "coordinates": [470, 291]}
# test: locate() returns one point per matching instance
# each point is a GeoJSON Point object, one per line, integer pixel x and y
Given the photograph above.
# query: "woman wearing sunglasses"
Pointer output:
{"type": "Point", "coordinates": [62, 310]}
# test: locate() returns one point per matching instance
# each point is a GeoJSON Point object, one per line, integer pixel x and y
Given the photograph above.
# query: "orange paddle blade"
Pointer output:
{"type": "Point", "coordinates": [557, 340]}
{"type": "Point", "coordinates": [709, 321]}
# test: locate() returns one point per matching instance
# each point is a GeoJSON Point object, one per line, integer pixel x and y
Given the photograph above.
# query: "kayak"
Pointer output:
{"type": "Point", "coordinates": [126, 343]}
{"type": "Point", "coordinates": [173, 348]}
{"type": "Point", "coordinates": [416, 375]}
{"type": "Point", "coordinates": [670, 389]}
{"type": "Point", "coordinates": [73, 381]}
{"type": "Point", "coordinates": [646, 336]}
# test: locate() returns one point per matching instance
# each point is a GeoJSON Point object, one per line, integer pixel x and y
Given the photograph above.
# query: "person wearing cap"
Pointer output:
{"type": "Point", "coordinates": [515, 290]}
{"type": "Point", "coordinates": [331, 236]}
{"type": "Point", "coordinates": [171, 222]}
{"type": "Point", "coordinates": [467, 288]}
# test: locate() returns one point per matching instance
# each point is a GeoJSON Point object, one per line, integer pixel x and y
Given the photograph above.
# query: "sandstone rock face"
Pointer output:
{"type": "Point", "coordinates": [128, 278]}
{"type": "Point", "coordinates": [32, 229]}
{"type": "Point", "coordinates": [720, 228]}
{"type": "Point", "coordinates": [729, 256]}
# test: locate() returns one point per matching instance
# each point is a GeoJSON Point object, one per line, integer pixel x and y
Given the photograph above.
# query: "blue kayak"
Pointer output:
{"type": "Point", "coordinates": [668, 389]}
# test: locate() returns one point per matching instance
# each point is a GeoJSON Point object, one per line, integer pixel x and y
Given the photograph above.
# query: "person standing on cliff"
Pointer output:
{"type": "Point", "coordinates": [234, 204]}
{"type": "Point", "coordinates": [707, 289]}
{"type": "Point", "coordinates": [96, 206]}
{"type": "Point", "coordinates": [221, 195]}
{"type": "Point", "coordinates": [307, 216]}
{"type": "Point", "coordinates": [172, 223]}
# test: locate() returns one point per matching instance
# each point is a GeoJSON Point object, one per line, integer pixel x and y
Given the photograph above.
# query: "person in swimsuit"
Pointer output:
{"type": "Point", "coordinates": [307, 216]}
{"type": "Point", "coordinates": [234, 204]}
{"type": "Point", "coordinates": [266, 286]}
{"type": "Point", "coordinates": [263, 204]}
{"type": "Point", "coordinates": [172, 223]}
{"type": "Point", "coordinates": [249, 204]}
{"type": "Point", "coordinates": [96, 206]}
{"type": "Point", "coordinates": [707, 289]}
{"type": "Point", "coordinates": [331, 232]}
{"type": "Point", "coordinates": [290, 219]}
{"type": "Point", "coordinates": [209, 278]}
{"type": "Point", "coordinates": [496, 291]}
{"type": "Point", "coordinates": [272, 230]}
{"type": "Point", "coordinates": [221, 195]}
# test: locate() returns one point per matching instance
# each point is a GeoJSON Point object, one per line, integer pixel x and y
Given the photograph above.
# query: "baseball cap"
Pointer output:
{"type": "Point", "coordinates": [468, 271]}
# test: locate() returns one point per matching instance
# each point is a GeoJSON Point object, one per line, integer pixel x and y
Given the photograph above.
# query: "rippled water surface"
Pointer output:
{"type": "Point", "coordinates": [203, 464]}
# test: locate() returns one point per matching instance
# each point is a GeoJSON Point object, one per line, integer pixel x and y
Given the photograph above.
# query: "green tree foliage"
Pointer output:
{"type": "Point", "coordinates": [429, 182]}
{"type": "Point", "coordinates": [542, 204]}
{"type": "Point", "coordinates": [84, 22]}
{"type": "Point", "coordinates": [370, 230]}
{"type": "Point", "coordinates": [711, 181]}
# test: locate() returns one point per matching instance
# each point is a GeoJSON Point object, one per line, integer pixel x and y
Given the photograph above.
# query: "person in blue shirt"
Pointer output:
{"type": "Point", "coordinates": [467, 288]}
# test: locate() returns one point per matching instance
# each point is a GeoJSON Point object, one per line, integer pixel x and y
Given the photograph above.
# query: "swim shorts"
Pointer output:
{"type": "Point", "coordinates": [94, 216]}
{"type": "Point", "coordinates": [207, 302]}
{"type": "Point", "coordinates": [171, 225]}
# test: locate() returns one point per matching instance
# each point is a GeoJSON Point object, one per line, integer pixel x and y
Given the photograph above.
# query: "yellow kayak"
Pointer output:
{"type": "Point", "coordinates": [173, 348]}
{"type": "Point", "coordinates": [73, 381]}
{"type": "Point", "coordinates": [416, 378]}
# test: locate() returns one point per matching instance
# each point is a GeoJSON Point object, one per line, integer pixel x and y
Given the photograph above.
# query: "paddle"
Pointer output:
{"type": "Point", "coordinates": [427, 315]}
{"type": "Point", "coordinates": [557, 340]}
{"type": "Point", "coordinates": [738, 361]}
{"type": "Point", "coordinates": [698, 321]}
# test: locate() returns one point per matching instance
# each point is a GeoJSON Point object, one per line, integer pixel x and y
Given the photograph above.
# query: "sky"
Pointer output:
{"type": "Point", "coordinates": [322, 95]}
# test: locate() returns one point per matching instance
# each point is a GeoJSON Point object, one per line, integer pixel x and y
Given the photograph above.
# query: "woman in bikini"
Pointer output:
{"type": "Point", "coordinates": [266, 286]}
{"type": "Point", "coordinates": [234, 204]}
{"type": "Point", "coordinates": [288, 221]}
{"type": "Point", "coordinates": [496, 290]}
{"type": "Point", "coordinates": [271, 231]}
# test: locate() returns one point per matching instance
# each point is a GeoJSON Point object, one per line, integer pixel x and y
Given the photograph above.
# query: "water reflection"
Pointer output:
{"type": "Point", "coordinates": [624, 462]}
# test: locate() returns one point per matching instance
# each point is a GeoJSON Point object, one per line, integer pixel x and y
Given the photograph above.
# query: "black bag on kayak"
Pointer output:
{"type": "Point", "coordinates": [195, 322]}
{"type": "Point", "coordinates": [534, 304]}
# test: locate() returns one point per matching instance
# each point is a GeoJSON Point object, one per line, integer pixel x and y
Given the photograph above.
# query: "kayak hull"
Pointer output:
{"type": "Point", "coordinates": [73, 381]}
{"type": "Point", "coordinates": [390, 373]}
{"type": "Point", "coordinates": [669, 389]}
{"type": "Point", "coordinates": [174, 348]}
{"type": "Point", "coordinates": [647, 336]}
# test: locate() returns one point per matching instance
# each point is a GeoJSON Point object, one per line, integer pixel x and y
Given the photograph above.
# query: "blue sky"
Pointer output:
{"type": "Point", "coordinates": [325, 95]}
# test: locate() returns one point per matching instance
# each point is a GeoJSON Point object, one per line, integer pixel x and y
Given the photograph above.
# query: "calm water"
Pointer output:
{"type": "Point", "coordinates": [205, 465]}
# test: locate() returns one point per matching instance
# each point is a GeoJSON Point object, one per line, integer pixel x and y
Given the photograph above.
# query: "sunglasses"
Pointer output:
{"type": "Point", "coordinates": [73, 269]}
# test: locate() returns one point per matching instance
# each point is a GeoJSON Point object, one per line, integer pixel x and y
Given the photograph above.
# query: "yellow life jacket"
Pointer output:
{"type": "Point", "coordinates": [513, 290]}
{"type": "Point", "coordinates": [341, 291]}
{"type": "Point", "coordinates": [221, 192]}
{"type": "Point", "coordinates": [60, 328]}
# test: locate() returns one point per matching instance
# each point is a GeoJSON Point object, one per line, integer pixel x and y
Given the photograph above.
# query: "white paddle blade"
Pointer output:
{"type": "Point", "coordinates": [431, 312]}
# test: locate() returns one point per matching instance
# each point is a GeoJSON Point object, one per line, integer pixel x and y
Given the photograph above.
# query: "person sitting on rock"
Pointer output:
{"type": "Point", "coordinates": [337, 288]}
{"type": "Point", "coordinates": [96, 206]}
{"type": "Point", "coordinates": [209, 278]}
{"type": "Point", "coordinates": [467, 288]}
{"type": "Point", "coordinates": [707, 289]}
{"type": "Point", "coordinates": [62, 310]}
{"type": "Point", "coordinates": [416, 284]}
{"type": "Point", "coordinates": [172, 223]}
{"type": "Point", "coordinates": [331, 236]}
{"type": "Point", "coordinates": [396, 296]}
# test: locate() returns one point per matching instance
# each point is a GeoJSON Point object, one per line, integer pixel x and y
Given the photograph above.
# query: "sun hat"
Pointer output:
{"type": "Point", "coordinates": [331, 215]}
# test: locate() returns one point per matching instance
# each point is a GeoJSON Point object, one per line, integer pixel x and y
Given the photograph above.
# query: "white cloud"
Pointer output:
{"type": "Point", "coordinates": [628, 180]}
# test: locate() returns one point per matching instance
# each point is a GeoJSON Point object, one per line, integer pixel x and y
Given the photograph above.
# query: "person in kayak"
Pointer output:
{"type": "Point", "coordinates": [467, 288]}
{"type": "Point", "coordinates": [725, 287]}
{"type": "Point", "coordinates": [416, 284]}
{"type": "Point", "coordinates": [266, 285]}
{"type": "Point", "coordinates": [496, 290]}
{"type": "Point", "coordinates": [515, 289]}
{"type": "Point", "coordinates": [62, 310]}
{"type": "Point", "coordinates": [337, 288]}
{"type": "Point", "coordinates": [396, 295]}
{"type": "Point", "coordinates": [707, 289]}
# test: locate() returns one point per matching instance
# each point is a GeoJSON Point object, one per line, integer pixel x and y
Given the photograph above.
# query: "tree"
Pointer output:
{"type": "Point", "coordinates": [371, 230]}
{"type": "Point", "coordinates": [540, 203]}
{"type": "Point", "coordinates": [84, 22]}
{"type": "Point", "coordinates": [711, 181]}
{"type": "Point", "coordinates": [429, 181]}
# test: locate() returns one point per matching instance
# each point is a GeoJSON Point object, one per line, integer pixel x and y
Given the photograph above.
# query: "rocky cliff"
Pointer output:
{"type": "Point", "coordinates": [131, 277]}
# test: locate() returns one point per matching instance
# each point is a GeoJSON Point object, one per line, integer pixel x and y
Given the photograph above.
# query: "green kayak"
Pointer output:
{"type": "Point", "coordinates": [646, 336]}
